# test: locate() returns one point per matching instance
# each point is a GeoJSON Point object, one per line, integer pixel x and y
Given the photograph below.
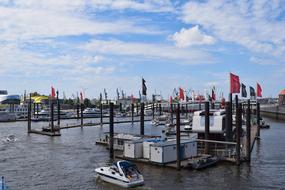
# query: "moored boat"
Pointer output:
{"type": "Point", "coordinates": [122, 173]}
{"type": "Point", "coordinates": [204, 162]}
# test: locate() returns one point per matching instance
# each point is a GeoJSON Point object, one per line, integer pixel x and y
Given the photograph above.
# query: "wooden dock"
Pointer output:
{"type": "Point", "coordinates": [51, 134]}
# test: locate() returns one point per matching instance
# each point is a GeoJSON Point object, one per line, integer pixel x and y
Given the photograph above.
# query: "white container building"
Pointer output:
{"type": "Point", "coordinates": [133, 149]}
{"type": "Point", "coordinates": [217, 121]}
{"type": "Point", "coordinates": [165, 152]}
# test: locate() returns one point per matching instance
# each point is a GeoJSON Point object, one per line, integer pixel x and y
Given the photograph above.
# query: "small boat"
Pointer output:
{"type": "Point", "coordinates": [187, 127]}
{"type": "Point", "coordinates": [11, 138]}
{"type": "Point", "coordinates": [263, 124]}
{"type": "Point", "coordinates": [3, 185]}
{"type": "Point", "coordinates": [122, 173]}
{"type": "Point", "coordinates": [204, 162]}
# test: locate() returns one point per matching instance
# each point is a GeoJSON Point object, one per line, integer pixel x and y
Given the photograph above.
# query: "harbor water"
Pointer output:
{"type": "Point", "coordinates": [36, 162]}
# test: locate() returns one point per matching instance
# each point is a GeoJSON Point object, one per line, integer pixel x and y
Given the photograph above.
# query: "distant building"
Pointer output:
{"type": "Point", "coordinates": [281, 100]}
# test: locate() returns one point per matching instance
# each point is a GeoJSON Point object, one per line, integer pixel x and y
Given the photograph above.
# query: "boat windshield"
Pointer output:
{"type": "Point", "coordinates": [129, 169]}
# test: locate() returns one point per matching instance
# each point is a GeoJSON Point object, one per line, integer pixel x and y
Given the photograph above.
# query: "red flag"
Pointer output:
{"type": "Point", "coordinates": [258, 90]}
{"type": "Point", "coordinates": [213, 95]}
{"type": "Point", "coordinates": [235, 85]}
{"type": "Point", "coordinates": [181, 94]}
{"type": "Point", "coordinates": [170, 101]}
{"type": "Point", "coordinates": [52, 92]}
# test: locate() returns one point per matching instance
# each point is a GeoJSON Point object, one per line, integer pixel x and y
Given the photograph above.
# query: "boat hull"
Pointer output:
{"type": "Point", "coordinates": [119, 182]}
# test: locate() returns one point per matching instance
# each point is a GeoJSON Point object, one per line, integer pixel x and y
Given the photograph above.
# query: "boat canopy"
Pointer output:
{"type": "Point", "coordinates": [39, 99]}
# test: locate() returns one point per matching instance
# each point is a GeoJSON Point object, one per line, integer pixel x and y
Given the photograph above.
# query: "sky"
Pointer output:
{"type": "Point", "coordinates": [89, 45]}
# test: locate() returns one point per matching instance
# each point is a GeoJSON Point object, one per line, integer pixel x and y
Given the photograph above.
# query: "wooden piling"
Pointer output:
{"type": "Point", "coordinates": [121, 107]}
{"type": "Point", "coordinates": [207, 127]}
{"type": "Point", "coordinates": [258, 119]}
{"type": "Point", "coordinates": [152, 110]}
{"type": "Point", "coordinates": [231, 115]}
{"type": "Point", "coordinates": [248, 132]}
{"type": "Point", "coordinates": [111, 129]}
{"type": "Point", "coordinates": [34, 109]}
{"type": "Point", "coordinates": [58, 109]}
{"type": "Point", "coordinates": [101, 113]}
{"type": "Point", "coordinates": [81, 114]}
{"type": "Point", "coordinates": [132, 109]}
{"type": "Point", "coordinates": [142, 119]}
{"type": "Point", "coordinates": [186, 109]}
{"type": "Point", "coordinates": [30, 115]}
{"type": "Point", "coordinates": [236, 101]}
{"type": "Point", "coordinates": [178, 151]}
{"type": "Point", "coordinates": [229, 126]}
{"type": "Point", "coordinates": [238, 132]}
{"type": "Point", "coordinates": [160, 109]}
{"type": "Point", "coordinates": [171, 113]}
{"type": "Point", "coordinates": [52, 116]}
{"type": "Point", "coordinates": [77, 110]}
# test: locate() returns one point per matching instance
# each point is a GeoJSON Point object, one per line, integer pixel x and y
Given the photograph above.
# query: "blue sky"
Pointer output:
{"type": "Point", "coordinates": [91, 45]}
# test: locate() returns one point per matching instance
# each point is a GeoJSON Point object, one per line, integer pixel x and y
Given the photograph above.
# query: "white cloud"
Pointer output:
{"type": "Point", "coordinates": [41, 19]}
{"type": "Point", "coordinates": [256, 25]}
{"type": "Point", "coordinates": [147, 50]}
{"type": "Point", "coordinates": [191, 36]}
{"type": "Point", "coordinates": [145, 5]}
{"type": "Point", "coordinates": [263, 60]}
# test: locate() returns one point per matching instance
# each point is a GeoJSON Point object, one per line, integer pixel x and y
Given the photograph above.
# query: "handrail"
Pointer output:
{"type": "Point", "coordinates": [220, 142]}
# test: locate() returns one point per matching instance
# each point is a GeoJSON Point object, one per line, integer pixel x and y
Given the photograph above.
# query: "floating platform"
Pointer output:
{"type": "Point", "coordinates": [51, 134]}
{"type": "Point", "coordinates": [185, 164]}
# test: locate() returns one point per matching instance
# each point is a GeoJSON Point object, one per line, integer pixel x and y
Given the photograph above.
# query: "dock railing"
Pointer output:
{"type": "Point", "coordinates": [224, 150]}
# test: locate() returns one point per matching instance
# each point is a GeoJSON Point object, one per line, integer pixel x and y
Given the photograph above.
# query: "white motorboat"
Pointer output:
{"type": "Point", "coordinates": [11, 138]}
{"type": "Point", "coordinates": [122, 173]}
{"type": "Point", "coordinates": [91, 112]}
{"type": "Point", "coordinates": [187, 127]}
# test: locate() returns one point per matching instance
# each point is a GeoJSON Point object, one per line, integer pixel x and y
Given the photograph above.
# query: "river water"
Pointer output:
{"type": "Point", "coordinates": [36, 162]}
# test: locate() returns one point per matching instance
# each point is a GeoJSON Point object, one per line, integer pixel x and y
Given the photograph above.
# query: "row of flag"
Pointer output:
{"type": "Point", "coordinates": [235, 87]}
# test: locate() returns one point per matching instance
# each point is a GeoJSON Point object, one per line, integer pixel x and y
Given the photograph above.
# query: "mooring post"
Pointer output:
{"type": "Point", "coordinates": [58, 109]}
{"type": "Point", "coordinates": [229, 126]}
{"type": "Point", "coordinates": [160, 109]}
{"type": "Point", "coordinates": [236, 99]}
{"type": "Point", "coordinates": [231, 115]}
{"type": "Point", "coordinates": [171, 113]}
{"type": "Point", "coordinates": [142, 118]}
{"type": "Point", "coordinates": [34, 109]}
{"type": "Point", "coordinates": [29, 115]}
{"type": "Point", "coordinates": [121, 107]}
{"type": "Point", "coordinates": [186, 109]}
{"type": "Point", "coordinates": [238, 132]}
{"type": "Point", "coordinates": [248, 132]}
{"type": "Point", "coordinates": [132, 109]}
{"type": "Point", "coordinates": [52, 115]}
{"type": "Point", "coordinates": [111, 129]}
{"type": "Point", "coordinates": [137, 109]}
{"type": "Point", "coordinates": [77, 111]}
{"type": "Point", "coordinates": [207, 127]}
{"type": "Point", "coordinates": [258, 119]}
{"type": "Point", "coordinates": [101, 113]}
{"type": "Point", "coordinates": [81, 114]}
{"type": "Point", "coordinates": [152, 110]}
{"type": "Point", "coordinates": [200, 106]}
{"type": "Point", "coordinates": [178, 153]}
